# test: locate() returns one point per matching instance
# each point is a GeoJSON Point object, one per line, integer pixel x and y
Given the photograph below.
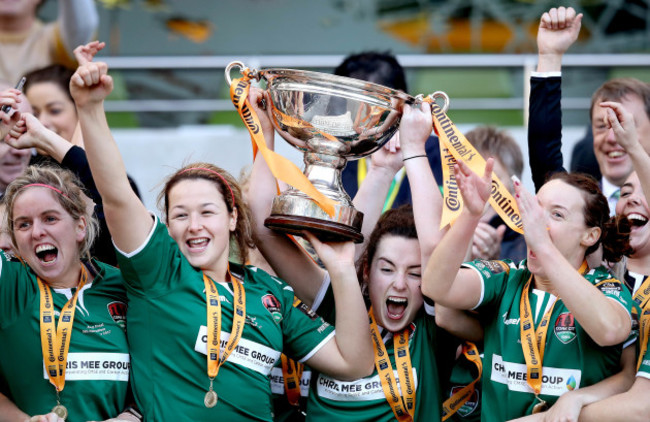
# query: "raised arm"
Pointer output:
{"type": "Point", "coordinates": [349, 355]}
{"type": "Point", "coordinates": [415, 129]}
{"type": "Point", "coordinates": [443, 280]}
{"type": "Point", "coordinates": [558, 30]}
{"type": "Point", "coordinates": [289, 261]}
{"type": "Point", "coordinates": [371, 195]}
{"type": "Point", "coordinates": [128, 220]}
{"type": "Point", "coordinates": [606, 321]}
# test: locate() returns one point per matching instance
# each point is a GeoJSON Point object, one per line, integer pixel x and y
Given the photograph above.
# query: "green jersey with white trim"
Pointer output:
{"type": "Point", "coordinates": [571, 359]}
{"type": "Point", "coordinates": [97, 374]}
{"type": "Point", "coordinates": [168, 335]}
{"type": "Point", "coordinates": [364, 399]}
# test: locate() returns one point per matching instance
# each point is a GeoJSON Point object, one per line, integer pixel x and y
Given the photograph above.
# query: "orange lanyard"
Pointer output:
{"type": "Point", "coordinates": [641, 298]}
{"type": "Point", "coordinates": [55, 338]}
{"type": "Point", "coordinates": [533, 342]}
{"type": "Point", "coordinates": [215, 359]}
{"type": "Point", "coordinates": [292, 374]}
{"type": "Point", "coordinates": [403, 405]}
{"type": "Point", "coordinates": [456, 401]}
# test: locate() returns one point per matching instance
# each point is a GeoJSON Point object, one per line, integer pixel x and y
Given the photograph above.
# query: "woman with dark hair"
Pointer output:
{"type": "Point", "coordinates": [552, 324]}
{"type": "Point", "coordinates": [48, 91]}
{"type": "Point", "coordinates": [205, 332]}
{"type": "Point", "coordinates": [76, 304]}
{"type": "Point", "coordinates": [409, 347]}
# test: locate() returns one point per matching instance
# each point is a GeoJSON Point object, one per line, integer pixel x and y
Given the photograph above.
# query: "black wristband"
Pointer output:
{"type": "Point", "coordinates": [415, 156]}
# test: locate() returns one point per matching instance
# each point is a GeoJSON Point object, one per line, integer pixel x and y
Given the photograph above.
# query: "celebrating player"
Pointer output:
{"type": "Point", "coordinates": [76, 304]}
{"type": "Point", "coordinates": [553, 324]}
{"type": "Point", "coordinates": [204, 332]}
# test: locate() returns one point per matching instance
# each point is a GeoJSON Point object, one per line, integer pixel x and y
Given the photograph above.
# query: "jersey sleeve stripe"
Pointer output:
{"type": "Point", "coordinates": [321, 292]}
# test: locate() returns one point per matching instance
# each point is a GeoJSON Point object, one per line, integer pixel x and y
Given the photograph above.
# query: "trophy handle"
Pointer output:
{"type": "Point", "coordinates": [254, 74]}
{"type": "Point", "coordinates": [436, 96]}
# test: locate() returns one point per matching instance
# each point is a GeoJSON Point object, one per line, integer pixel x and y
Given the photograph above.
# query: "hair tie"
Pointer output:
{"type": "Point", "coordinates": [43, 185]}
{"type": "Point", "coordinates": [223, 179]}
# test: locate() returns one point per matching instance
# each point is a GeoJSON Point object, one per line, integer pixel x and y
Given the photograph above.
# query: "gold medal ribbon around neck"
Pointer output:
{"type": "Point", "coordinates": [403, 405]}
{"type": "Point", "coordinates": [292, 375]}
{"type": "Point", "coordinates": [215, 358]}
{"type": "Point", "coordinates": [55, 338]}
{"type": "Point", "coordinates": [533, 341]}
{"type": "Point", "coordinates": [642, 297]}
{"type": "Point", "coordinates": [456, 401]}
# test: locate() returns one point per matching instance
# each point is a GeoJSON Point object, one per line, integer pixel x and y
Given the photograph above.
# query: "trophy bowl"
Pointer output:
{"type": "Point", "coordinates": [332, 119]}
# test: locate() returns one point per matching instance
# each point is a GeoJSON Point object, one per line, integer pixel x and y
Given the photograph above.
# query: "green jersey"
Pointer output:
{"type": "Point", "coordinates": [571, 359]}
{"type": "Point", "coordinates": [168, 333]}
{"type": "Point", "coordinates": [364, 399]}
{"type": "Point", "coordinates": [462, 374]}
{"type": "Point", "coordinates": [97, 370]}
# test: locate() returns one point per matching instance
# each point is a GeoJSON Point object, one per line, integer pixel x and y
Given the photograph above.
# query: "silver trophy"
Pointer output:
{"type": "Point", "coordinates": [332, 119]}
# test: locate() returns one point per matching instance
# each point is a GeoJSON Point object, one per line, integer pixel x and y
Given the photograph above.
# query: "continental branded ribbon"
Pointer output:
{"type": "Point", "coordinates": [454, 147]}
{"type": "Point", "coordinates": [403, 405]}
{"type": "Point", "coordinates": [282, 168]}
{"type": "Point", "coordinates": [533, 341]}
{"type": "Point", "coordinates": [215, 358]}
{"type": "Point", "coordinates": [292, 374]}
{"type": "Point", "coordinates": [55, 338]}
{"type": "Point", "coordinates": [642, 297]}
{"type": "Point", "coordinates": [457, 400]}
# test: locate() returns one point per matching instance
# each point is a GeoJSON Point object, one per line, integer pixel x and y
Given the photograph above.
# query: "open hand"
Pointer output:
{"type": "Point", "coordinates": [474, 189]}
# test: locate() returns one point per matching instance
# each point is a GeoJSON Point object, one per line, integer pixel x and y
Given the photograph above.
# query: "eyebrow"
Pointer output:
{"type": "Point", "coordinates": [393, 264]}
{"type": "Point", "coordinates": [50, 211]}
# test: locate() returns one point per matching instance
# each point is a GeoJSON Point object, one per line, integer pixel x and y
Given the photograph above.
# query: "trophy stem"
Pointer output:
{"type": "Point", "coordinates": [293, 211]}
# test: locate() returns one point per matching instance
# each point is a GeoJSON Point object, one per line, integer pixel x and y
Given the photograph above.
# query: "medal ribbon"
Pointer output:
{"type": "Point", "coordinates": [456, 401]}
{"type": "Point", "coordinates": [282, 168]}
{"type": "Point", "coordinates": [403, 405]}
{"type": "Point", "coordinates": [453, 147]}
{"type": "Point", "coordinates": [641, 298]}
{"type": "Point", "coordinates": [55, 340]}
{"type": "Point", "coordinates": [292, 374]}
{"type": "Point", "coordinates": [533, 342]}
{"type": "Point", "coordinates": [214, 323]}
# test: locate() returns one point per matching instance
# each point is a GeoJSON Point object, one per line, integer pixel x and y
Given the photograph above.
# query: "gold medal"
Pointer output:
{"type": "Point", "coordinates": [210, 399]}
{"type": "Point", "coordinates": [542, 406]}
{"type": "Point", "coordinates": [60, 411]}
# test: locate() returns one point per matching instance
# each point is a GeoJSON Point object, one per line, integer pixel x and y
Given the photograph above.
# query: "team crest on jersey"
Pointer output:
{"type": "Point", "coordinates": [470, 405]}
{"type": "Point", "coordinates": [565, 327]}
{"type": "Point", "coordinates": [117, 311]}
{"type": "Point", "coordinates": [272, 304]}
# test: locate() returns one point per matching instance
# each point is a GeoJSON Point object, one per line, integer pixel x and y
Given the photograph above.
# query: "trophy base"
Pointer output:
{"type": "Point", "coordinates": [294, 214]}
{"type": "Point", "coordinates": [326, 231]}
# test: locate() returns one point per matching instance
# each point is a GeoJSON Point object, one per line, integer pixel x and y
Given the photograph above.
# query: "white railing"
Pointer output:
{"type": "Point", "coordinates": [524, 61]}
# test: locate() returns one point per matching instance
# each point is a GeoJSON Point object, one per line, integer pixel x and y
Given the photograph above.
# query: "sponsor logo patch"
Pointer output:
{"type": "Point", "coordinates": [565, 327]}
{"type": "Point", "coordinates": [304, 308]}
{"type": "Point", "coordinates": [117, 311]}
{"type": "Point", "coordinates": [555, 381]}
{"type": "Point", "coordinates": [272, 304]}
